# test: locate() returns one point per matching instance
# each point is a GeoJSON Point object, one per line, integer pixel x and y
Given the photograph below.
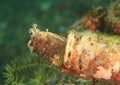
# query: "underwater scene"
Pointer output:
{"type": "Point", "coordinates": [60, 42]}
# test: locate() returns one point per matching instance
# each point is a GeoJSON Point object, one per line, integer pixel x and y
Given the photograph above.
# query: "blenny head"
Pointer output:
{"type": "Point", "coordinates": [47, 45]}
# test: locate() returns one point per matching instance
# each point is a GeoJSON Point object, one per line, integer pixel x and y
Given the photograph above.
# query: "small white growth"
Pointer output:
{"type": "Point", "coordinates": [47, 30]}
{"type": "Point", "coordinates": [34, 29]}
{"type": "Point", "coordinates": [116, 67]}
{"type": "Point", "coordinates": [69, 45]}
